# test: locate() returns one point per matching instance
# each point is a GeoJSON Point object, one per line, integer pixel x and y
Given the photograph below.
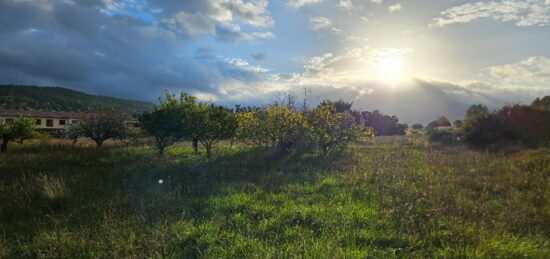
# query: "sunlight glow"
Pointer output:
{"type": "Point", "coordinates": [390, 69]}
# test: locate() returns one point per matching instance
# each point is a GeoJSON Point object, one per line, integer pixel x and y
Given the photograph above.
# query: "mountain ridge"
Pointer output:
{"type": "Point", "coordinates": [55, 98]}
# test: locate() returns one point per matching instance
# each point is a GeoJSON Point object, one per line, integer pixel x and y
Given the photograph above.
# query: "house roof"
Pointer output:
{"type": "Point", "coordinates": [42, 114]}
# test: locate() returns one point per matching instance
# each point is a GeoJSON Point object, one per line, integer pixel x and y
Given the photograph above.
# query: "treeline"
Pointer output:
{"type": "Point", "coordinates": [62, 99]}
{"type": "Point", "coordinates": [510, 126]}
{"type": "Point", "coordinates": [326, 128]}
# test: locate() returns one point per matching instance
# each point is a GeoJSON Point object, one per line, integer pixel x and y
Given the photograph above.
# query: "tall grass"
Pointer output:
{"type": "Point", "coordinates": [389, 198]}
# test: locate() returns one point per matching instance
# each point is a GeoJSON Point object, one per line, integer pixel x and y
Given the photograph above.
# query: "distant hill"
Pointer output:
{"type": "Point", "coordinates": [63, 99]}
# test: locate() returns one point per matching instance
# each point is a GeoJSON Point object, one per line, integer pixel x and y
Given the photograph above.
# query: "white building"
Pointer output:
{"type": "Point", "coordinates": [45, 120]}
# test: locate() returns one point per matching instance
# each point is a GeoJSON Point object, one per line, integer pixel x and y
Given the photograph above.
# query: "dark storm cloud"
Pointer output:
{"type": "Point", "coordinates": [87, 47]}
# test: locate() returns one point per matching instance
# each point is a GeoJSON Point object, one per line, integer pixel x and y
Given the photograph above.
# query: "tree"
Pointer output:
{"type": "Point", "coordinates": [22, 128]}
{"type": "Point", "coordinates": [102, 126]}
{"type": "Point", "coordinates": [172, 120]}
{"type": "Point", "coordinates": [542, 104]}
{"type": "Point", "coordinates": [252, 127]}
{"type": "Point", "coordinates": [417, 126]}
{"type": "Point", "coordinates": [131, 135]}
{"type": "Point", "coordinates": [383, 125]}
{"type": "Point", "coordinates": [458, 123]}
{"type": "Point", "coordinates": [473, 115]}
{"type": "Point", "coordinates": [74, 132]}
{"type": "Point", "coordinates": [331, 129]}
{"type": "Point", "coordinates": [274, 125]}
{"type": "Point", "coordinates": [441, 121]}
{"type": "Point", "coordinates": [210, 124]}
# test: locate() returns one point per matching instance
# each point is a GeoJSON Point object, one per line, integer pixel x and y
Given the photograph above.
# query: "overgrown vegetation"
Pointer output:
{"type": "Point", "coordinates": [299, 182]}
{"type": "Point", "coordinates": [381, 200]}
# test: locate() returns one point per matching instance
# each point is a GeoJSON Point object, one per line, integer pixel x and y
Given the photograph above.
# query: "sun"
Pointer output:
{"type": "Point", "coordinates": [390, 69]}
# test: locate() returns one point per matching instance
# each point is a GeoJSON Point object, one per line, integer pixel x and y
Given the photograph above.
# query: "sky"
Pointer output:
{"type": "Point", "coordinates": [414, 59]}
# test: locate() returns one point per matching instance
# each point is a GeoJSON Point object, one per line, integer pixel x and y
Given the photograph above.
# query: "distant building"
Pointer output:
{"type": "Point", "coordinates": [44, 120]}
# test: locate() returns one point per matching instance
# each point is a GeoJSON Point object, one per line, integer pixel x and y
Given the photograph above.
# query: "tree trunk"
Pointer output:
{"type": "Point", "coordinates": [98, 143]}
{"type": "Point", "coordinates": [4, 145]}
{"type": "Point", "coordinates": [208, 153]}
{"type": "Point", "coordinates": [195, 145]}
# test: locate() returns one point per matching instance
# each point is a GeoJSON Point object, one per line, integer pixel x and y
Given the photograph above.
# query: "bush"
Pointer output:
{"type": "Point", "coordinates": [383, 125]}
{"type": "Point", "coordinates": [441, 136]}
{"type": "Point", "coordinates": [512, 125]}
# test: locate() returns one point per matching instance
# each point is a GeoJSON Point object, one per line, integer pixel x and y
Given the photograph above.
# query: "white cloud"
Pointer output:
{"type": "Point", "coordinates": [523, 13]}
{"type": "Point", "coordinates": [345, 4]}
{"type": "Point", "coordinates": [299, 3]}
{"type": "Point", "coordinates": [245, 66]}
{"type": "Point", "coordinates": [377, 1]}
{"type": "Point", "coordinates": [319, 22]}
{"type": "Point", "coordinates": [394, 8]}
{"type": "Point", "coordinates": [532, 73]}
{"type": "Point", "coordinates": [224, 17]}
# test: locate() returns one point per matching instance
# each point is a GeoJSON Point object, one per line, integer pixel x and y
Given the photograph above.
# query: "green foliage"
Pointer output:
{"type": "Point", "coordinates": [417, 126]}
{"type": "Point", "coordinates": [63, 99]}
{"type": "Point", "coordinates": [509, 127]}
{"type": "Point", "coordinates": [211, 124]}
{"type": "Point", "coordinates": [21, 129]}
{"type": "Point", "coordinates": [458, 123]}
{"type": "Point", "coordinates": [101, 126]}
{"type": "Point", "coordinates": [383, 125]}
{"type": "Point", "coordinates": [275, 126]}
{"type": "Point", "coordinates": [443, 136]}
{"type": "Point", "coordinates": [131, 135]}
{"type": "Point", "coordinates": [332, 130]}
{"type": "Point", "coordinates": [169, 122]}
{"type": "Point", "coordinates": [473, 115]}
{"type": "Point", "coordinates": [541, 103]}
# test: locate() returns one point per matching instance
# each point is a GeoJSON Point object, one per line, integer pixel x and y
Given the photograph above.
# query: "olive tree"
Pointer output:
{"type": "Point", "coordinates": [102, 126]}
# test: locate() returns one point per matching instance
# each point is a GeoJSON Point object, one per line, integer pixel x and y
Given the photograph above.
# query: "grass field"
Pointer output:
{"type": "Point", "coordinates": [387, 198]}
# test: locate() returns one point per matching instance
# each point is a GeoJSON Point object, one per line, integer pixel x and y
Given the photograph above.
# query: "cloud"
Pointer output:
{"type": "Point", "coordinates": [345, 4]}
{"type": "Point", "coordinates": [223, 19]}
{"type": "Point", "coordinates": [299, 3]}
{"type": "Point", "coordinates": [522, 13]}
{"type": "Point", "coordinates": [260, 56]}
{"type": "Point", "coordinates": [377, 1]}
{"type": "Point", "coordinates": [109, 48]}
{"type": "Point", "coordinates": [530, 74]}
{"type": "Point", "coordinates": [394, 8]}
{"type": "Point", "coordinates": [319, 22]}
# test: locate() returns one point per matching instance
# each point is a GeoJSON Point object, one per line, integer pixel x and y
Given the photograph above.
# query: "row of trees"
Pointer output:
{"type": "Point", "coordinates": [185, 118]}
{"type": "Point", "coordinates": [279, 125]}
{"type": "Point", "coordinates": [509, 126]}
{"type": "Point", "coordinates": [324, 128]}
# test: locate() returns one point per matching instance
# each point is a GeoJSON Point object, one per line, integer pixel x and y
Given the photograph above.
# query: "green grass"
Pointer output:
{"type": "Point", "coordinates": [383, 199]}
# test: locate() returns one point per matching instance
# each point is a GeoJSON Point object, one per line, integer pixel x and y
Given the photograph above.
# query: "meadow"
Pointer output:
{"type": "Point", "coordinates": [387, 198]}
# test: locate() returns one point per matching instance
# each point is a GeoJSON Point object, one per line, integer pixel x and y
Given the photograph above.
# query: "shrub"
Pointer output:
{"type": "Point", "coordinates": [383, 125]}
{"type": "Point", "coordinates": [512, 125]}
{"type": "Point", "coordinates": [442, 136]}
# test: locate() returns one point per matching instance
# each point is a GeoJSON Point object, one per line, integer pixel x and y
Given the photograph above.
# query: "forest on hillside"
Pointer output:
{"type": "Point", "coordinates": [63, 99]}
